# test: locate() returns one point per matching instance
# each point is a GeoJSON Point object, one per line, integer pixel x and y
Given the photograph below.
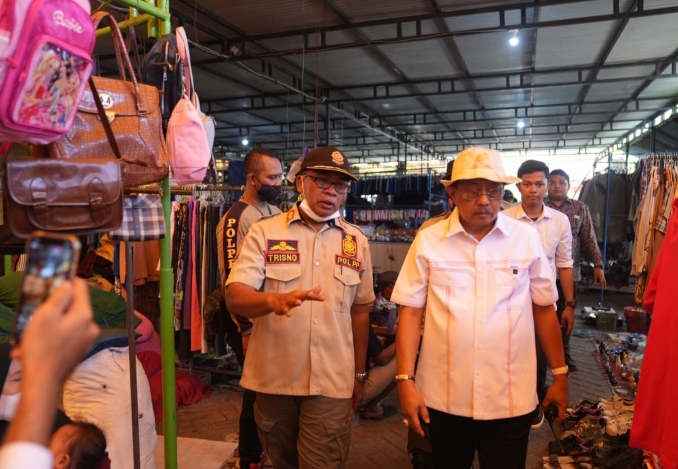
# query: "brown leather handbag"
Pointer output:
{"type": "Point", "coordinates": [133, 111]}
{"type": "Point", "coordinates": [70, 196]}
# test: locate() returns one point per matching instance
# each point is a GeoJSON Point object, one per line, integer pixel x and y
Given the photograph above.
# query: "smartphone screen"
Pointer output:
{"type": "Point", "coordinates": [50, 260]}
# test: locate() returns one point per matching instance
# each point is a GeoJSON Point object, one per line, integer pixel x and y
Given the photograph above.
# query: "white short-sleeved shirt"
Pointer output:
{"type": "Point", "coordinates": [554, 231]}
{"type": "Point", "coordinates": [478, 353]}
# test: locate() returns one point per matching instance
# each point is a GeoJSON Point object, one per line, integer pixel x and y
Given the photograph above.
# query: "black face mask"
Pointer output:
{"type": "Point", "coordinates": [269, 194]}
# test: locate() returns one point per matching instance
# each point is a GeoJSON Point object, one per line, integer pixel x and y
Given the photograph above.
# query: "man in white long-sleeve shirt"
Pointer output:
{"type": "Point", "coordinates": [556, 238]}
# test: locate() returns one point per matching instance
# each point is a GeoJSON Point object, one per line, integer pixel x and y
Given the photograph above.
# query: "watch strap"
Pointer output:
{"type": "Point", "coordinates": [362, 377]}
{"type": "Point", "coordinates": [403, 378]}
{"type": "Point", "coordinates": [563, 370]}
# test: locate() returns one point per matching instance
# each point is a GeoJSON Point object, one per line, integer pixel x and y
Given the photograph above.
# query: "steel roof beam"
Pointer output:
{"type": "Point", "coordinates": [398, 22]}
{"type": "Point", "coordinates": [605, 53]}
{"type": "Point", "coordinates": [522, 112]}
{"type": "Point", "coordinates": [512, 81]}
{"type": "Point", "coordinates": [271, 70]}
{"type": "Point", "coordinates": [660, 69]}
{"type": "Point", "coordinates": [382, 59]}
{"type": "Point", "coordinates": [603, 125]}
{"type": "Point", "coordinates": [364, 140]}
{"type": "Point", "coordinates": [456, 57]}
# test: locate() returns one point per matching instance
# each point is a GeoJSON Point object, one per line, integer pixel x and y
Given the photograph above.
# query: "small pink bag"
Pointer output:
{"type": "Point", "coordinates": [187, 146]}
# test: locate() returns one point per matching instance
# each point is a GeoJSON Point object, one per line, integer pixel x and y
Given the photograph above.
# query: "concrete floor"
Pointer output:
{"type": "Point", "coordinates": [382, 444]}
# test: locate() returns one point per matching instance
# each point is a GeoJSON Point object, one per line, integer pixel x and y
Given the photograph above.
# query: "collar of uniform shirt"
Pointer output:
{"type": "Point", "coordinates": [455, 227]}
{"type": "Point", "coordinates": [293, 215]}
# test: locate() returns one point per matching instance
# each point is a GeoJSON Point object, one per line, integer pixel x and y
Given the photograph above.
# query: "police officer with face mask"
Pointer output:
{"type": "Point", "coordinates": [262, 191]}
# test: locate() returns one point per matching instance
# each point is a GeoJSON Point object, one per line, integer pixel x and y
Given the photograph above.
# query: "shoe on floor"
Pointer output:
{"type": "Point", "coordinates": [571, 364]}
{"type": "Point", "coordinates": [619, 424]}
{"type": "Point", "coordinates": [537, 417]}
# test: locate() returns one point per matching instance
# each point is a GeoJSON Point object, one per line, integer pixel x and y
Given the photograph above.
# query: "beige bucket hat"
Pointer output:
{"type": "Point", "coordinates": [480, 163]}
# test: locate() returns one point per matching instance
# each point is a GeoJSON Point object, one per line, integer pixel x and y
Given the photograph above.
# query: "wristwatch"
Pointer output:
{"type": "Point", "coordinates": [571, 303]}
{"type": "Point", "coordinates": [563, 370]}
{"type": "Point", "coordinates": [362, 377]}
{"type": "Point", "coordinates": [598, 266]}
{"type": "Point", "coordinates": [403, 378]}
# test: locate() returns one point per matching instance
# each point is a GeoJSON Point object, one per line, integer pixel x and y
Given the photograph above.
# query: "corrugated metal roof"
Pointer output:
{"type": "Point", "coordinates": [421, 59]}
{"type": "Point", "coordinates": [360, 10]}
{"type": "Point", "coordinates": [564, 48]}
{"type": "Point", "coordinates": [646, 38]}
{"type": "Point", "coordinates": [267, 16]}
{"type": "Point", "coordinates": [578, 10]}
{"type": "Point", "coordinates": [571, 45]}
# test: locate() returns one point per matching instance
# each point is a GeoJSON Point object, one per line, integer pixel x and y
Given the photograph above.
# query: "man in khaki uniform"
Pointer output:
{"type": "Point", "coordinates": [262, 191]}
{"type": "Point", "coordinates": [306, 361]}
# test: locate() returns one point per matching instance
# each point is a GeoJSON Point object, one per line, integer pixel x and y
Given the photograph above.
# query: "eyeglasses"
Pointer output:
{"type": "Point", "coordinates": [538, 185]}
{"type": "Point", "coordinates": [494, 194]}
{"type": "Point", "coordinates": [341, 187]}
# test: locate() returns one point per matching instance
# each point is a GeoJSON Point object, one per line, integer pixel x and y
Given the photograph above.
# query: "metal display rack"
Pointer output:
{"type": "Point", "coordinates": [157, 17]}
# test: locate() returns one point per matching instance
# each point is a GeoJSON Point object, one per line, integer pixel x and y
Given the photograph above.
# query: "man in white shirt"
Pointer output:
{"type": "Point", "coordinates": [556, 237]}
{"type": "Point", "coordinates": [484, 283]}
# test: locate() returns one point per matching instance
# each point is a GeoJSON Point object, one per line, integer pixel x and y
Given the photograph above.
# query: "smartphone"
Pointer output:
{"type": "Point", "coordinates": [50, 260]}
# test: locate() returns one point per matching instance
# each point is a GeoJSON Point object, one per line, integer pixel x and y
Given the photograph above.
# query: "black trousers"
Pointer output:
{"type": "Point", "coordinates": [501, 444]}
{"type": "Point", "coordinates": [249, 446]}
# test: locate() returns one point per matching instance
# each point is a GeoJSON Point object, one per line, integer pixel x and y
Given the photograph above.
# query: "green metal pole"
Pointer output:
{"type": "Point", "coordinates": [148, 7]}
{"type": "Point", "coordinates": [164, 23]}
{"type": "Point", "coordinates": [123, 25]}
{"type": "Point", "coordinates": [169, 398]}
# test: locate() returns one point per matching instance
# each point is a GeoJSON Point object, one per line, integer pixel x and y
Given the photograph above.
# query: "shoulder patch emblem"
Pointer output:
{"type": "Point", "coordinates": [349, 246]}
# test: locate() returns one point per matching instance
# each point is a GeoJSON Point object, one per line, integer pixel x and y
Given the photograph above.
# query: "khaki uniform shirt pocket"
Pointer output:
{"type": "Point", "coordinates": [282, 278]}
{"type": "Point", "coordinates": [346, 281]}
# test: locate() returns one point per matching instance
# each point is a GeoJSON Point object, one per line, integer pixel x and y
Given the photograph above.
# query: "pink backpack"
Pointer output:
{"type": "Point", "coordinates": [189, 153]}
{"type": "Point", "coordinates": [188, 143]}
{"type": "Point", "coordinates": [45, 62]}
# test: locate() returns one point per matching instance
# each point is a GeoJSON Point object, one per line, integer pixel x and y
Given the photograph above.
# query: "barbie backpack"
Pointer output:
{"type": "Point", "coordinates": [45, 63]}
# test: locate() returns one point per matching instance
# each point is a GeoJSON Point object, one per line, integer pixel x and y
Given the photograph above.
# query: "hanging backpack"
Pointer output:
{"type": "Point", "coordinates": [187, 146]}
{"type": "Point", "coordinates": [189, 86]}
{"type": "Point", "coordinates": [163, 68]}
{"type": "Point", "coordinates": [45, 63]}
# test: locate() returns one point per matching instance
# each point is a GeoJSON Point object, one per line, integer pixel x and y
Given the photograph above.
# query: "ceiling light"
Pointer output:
{"type": "Point", "coordinates": [520, 124]}
{"type": "Point", "coordinates": [514, 41]}
{"type": "Point", "coordinates": [245, 142]}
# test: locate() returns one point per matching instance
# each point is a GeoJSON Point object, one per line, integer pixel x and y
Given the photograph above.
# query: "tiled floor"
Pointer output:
{"type": "Point", "coordinates": [382, 444]}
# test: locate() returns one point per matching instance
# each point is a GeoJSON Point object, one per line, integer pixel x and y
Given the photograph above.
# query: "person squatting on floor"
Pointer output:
{"type": "Point", "coordinates": [306, 278]}
{"type": "Point", "coordinates": [485, 284]}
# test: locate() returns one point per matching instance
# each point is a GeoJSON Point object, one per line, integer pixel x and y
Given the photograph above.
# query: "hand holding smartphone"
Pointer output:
{"type": "Point", "coordinates": [51, 259]}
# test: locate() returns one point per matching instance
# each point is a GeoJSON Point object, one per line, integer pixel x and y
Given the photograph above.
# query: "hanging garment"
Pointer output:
{"type": "Point", "coordinates": [655, 430]}
{"type": "Point", "coordinates": [620, 202]}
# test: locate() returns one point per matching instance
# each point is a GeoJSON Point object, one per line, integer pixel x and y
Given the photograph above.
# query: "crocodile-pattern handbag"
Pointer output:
{"type": "Point", "coordinates": [133, 111]}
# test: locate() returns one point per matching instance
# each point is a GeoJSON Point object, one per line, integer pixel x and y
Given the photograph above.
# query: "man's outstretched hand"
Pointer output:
{"type": "Point", "coordinates": [283, 303]}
